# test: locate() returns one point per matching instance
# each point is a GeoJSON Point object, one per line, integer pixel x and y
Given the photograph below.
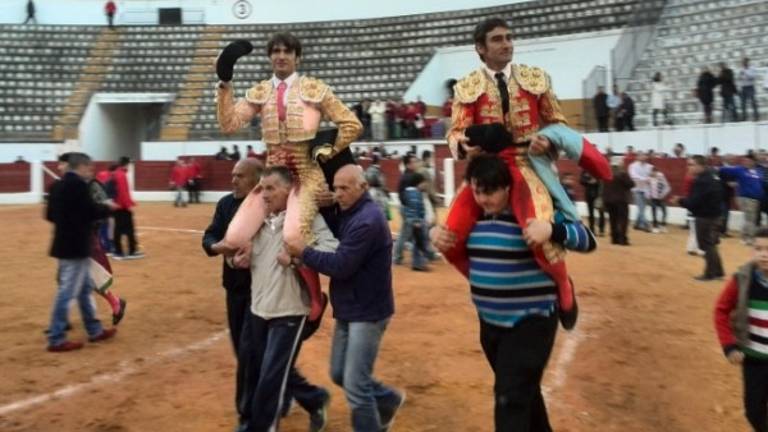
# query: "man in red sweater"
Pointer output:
{"type": "Point", "coordinates": [178, 181]}
{"type": "Point", "coordinates": [124, 215]}
{"type": "Point", "coordinates": [741, 322]}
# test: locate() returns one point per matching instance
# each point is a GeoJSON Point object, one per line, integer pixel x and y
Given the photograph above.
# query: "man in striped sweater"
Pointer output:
{"type": "Point", "coordinates": [516, 300]}
{"type": "Point", "coordinates": [741, 321]}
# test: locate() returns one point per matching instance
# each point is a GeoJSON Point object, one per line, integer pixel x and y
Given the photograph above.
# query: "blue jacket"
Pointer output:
{"type": "Point", "coordinates": [414, 204]}
{"type": "Point", "coordinates": [750, 181]}
{"type": "Point", "coordinates": [361, 267]}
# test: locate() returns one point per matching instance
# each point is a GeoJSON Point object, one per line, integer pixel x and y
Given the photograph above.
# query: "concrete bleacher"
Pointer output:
{"type": "Point", "coordinates": [49, 72]}
{"type": "Point", "coordinates": [696, 33]}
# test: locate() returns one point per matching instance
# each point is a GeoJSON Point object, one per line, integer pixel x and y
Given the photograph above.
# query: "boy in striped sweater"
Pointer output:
{"type": "Point", "coordinates": [741, 321]}
{"type": "Point", "coordinates": [516, 299]}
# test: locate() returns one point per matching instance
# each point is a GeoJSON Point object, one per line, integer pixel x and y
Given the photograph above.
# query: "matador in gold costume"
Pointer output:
{"type": "Point", "coordinates": [521, 99]}
{"type": "Point", "coordinates": [291, 108]}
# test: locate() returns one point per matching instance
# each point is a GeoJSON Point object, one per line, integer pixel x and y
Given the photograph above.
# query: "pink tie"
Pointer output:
{"type": "Point", "coordinates": [281, 100]}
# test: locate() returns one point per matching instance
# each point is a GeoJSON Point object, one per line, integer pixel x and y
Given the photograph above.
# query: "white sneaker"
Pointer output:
{"type": "Point", "coordinates": [655, 231]}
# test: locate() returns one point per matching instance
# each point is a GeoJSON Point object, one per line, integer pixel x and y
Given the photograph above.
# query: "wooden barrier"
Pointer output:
{"type": "Point", "coordinates": [14, 177]}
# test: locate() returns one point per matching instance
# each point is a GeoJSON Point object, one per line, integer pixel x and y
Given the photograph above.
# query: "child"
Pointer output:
{"type": "Point", "coordinates": [415, 214]}
{"type": "Point", "coordinates": [659, 191]}
{"type": "Point", "coordinates": [741, 328]}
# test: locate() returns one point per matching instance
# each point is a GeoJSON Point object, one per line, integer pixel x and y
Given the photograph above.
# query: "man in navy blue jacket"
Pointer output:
{"type": "Point", "coordinates": [750, 193]}
{"type": "Point", "coordinates": [361, 295]}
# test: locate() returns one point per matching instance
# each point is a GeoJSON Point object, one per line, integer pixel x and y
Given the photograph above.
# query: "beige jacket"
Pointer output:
{"type": "Point", "coordinates": [275, 290]}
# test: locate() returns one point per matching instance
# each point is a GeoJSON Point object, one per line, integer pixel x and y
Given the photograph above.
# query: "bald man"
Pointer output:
{"type": "Point", "coordinates": [237, 282]}
{"type": "Point", "coordinates": [361, 294]}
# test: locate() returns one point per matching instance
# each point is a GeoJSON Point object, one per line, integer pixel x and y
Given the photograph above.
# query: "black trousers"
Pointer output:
{"type": "Point", "coordinates": [618, 213]}
{"type": "Point", "coordinates": [658, 204]}
{"type": "Point", "coordinates": [602, 123]}
{"type": "Point", "coordinates": [755, 374]}
{"type": "Point", "coordinates": [268, 351]}
{"type": "Point", "coordinates": [238, 306]}
{"type": "Point", "coordinates": [591, 215]}
{"type": "Point", "coordinates": [518, 357]}
{"type": "Point", "coordinates": [124, 226]}
{"type": "Point", "coordinates": [708, 236]}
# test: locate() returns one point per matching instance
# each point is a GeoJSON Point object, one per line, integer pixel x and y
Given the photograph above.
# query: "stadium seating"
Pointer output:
{"type": "Point", "coordinates": [49, 72]}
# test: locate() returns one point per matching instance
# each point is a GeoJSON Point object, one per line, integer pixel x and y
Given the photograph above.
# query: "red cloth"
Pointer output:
{"type": "Point", "coordinates": [123, 199]}
{"type": "Point", "coordinates": [726, 303]}
{"type": "Point", "coordinates": [195, 171]}
{"type": "Point", "coordinates": [179, 175]}
{"type": "Point", "coordinates": [448, 108]}
{"type": "Point", "coordinates": [103, 177]}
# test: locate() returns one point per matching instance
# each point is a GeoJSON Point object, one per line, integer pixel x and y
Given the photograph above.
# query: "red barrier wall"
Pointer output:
{"type": "Point", "coordinates": [14, 177]}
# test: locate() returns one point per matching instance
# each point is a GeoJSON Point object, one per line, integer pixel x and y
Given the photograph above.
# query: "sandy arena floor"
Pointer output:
{"type": "Point", "coordinates": [644, 356]}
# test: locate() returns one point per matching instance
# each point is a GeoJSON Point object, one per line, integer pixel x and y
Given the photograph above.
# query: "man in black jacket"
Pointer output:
{"type": "Point", "coordinates": [236, 281]}
{"type": "Point", "coordinates": [704, 92]}
{"type": "Point", "coordinates": [704, 202]}
{"type": "Point", "coordinates": [600, 103]}
{"type": "Point", "coordinates": [727, 91]}
{"type": "Point", "coordinates": [73, 213]}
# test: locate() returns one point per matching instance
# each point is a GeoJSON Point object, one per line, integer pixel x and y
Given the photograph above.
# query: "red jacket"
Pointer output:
{"type": "Point", "coordinates": [123, 199]}
{"type": "Point", "coordinates": [195, 171]}
{"type": "Point", "coordinates": [179, 175]}
{"type": "Point", "coordinates": [110, 8]}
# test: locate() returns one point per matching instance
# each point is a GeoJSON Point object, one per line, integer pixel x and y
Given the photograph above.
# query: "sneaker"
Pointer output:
{"type": "Point", "coordinates": [65, 346]}
{"type": "Point", "coordinates": [387, 414]}
{"type": "Point", "coordinates": [318, 419]}
{"type": "Point", "coordinates": [116, 318]}
{"type": "Point", "coordinates": [420, 269]}
{"type": "Point", "coordinates": [656, 231]}
{"type": "Point", "coordinates": [663, 229]}
{"type": "Point", "coordinates": [135, 255]}
{"type": "Point", "coordinates": [118, 257]}
{"type": "Point", "coordinates": [104, 335]}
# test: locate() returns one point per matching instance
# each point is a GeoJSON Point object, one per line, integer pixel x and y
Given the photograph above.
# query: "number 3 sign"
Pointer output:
{"type": "Point", "coordinates": [242, 9]}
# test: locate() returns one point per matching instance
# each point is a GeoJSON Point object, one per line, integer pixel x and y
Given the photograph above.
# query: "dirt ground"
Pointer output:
{"type": "Point", "coordinates": [644, 356]}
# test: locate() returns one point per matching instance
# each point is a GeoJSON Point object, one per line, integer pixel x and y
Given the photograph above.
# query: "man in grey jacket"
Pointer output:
{"type": "Point", "coordinates": [272, 332]}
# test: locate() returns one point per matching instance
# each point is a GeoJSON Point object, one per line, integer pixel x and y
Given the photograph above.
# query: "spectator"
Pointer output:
{"type": "Point", "coordinates": [30, 12]}
{"type": "Point", "coordinates": [614, 102]}
{"type": "Point", "coordinates": [704, 203]}
{"type": "Point", "coordinates": [378, 112]}
{"type": "Point", "coordinates": [747, 79]}
{"type": "Point", "coordinates": [236, 282]}
{"type": "Point", "coordinates": [750, 193]}
{"type": "Point", "coordinates": [640, 172]}
{"type": "Point", "coordinates": [178, 181]}
{"type": "Point", "coordinates": [421, 107]}
{"type": "Point", "coordinates": [616, 198]}
{"type": "Point", "coordinates": [415, 217]}
{"type": "Point", "coordinates": [124, 214]}
{"type": "Point", "coordinates": [361, 111]}
{"type": "Point", "coordinates": [705, 92]}
{"type": "Point", "coordinates": [593, 190]}
{"type": "Point", "coordinates": [20, 160]}
{"type": "Point", "coordinates": [727, 91]}
{"type": "Point", "coordinates": [361, 296]}
{"type": "Point", "coordinates": [678, 152]}
{"type": "Point", "coordinates": [377, 185]}
{"type": "Point", "coordinates": [626, 113]}
{"type": "Point", "coordinates": [222, 154]}
{"type": "Point", "coordinates": [659, 189]}
{"type": "Point", "coordinates": [602, 111]}
{"type": "Point", "coordinates": [659, 97]}
{"type": "Point", "coordinates": [73, 212]}
{"type": "Point", "coordinates": [249, 153]}
{"type": "Point", "coordinates": [235, 155]}
{"type": "Point", "coordinates": [391, 118]}
{"type": "Point", "coordinates": [411, 165]}
{"type": "Point", "coordinates": [110, 9]}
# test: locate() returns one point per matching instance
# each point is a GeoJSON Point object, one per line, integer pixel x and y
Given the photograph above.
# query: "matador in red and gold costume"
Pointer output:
{"type": "Point", "coordinates": [291, 108]}
{"type": "Point", "coordinates": [520, 98]}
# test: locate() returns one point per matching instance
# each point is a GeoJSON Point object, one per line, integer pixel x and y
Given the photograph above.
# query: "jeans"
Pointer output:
{"type": "Point", "coordinates": [708, 236]}
{"type": "Point", "coordinates": [74, 282]}
{"type": "Point", "coordinates": [756, 393]}
{"type": "Point", "coordinates": [660, 205]}
{"type": "Point", "coordinates": [419, 253]}
{"type": "Point", "coordinates": [268, 349]}
{"type": "Point", "coordinates": [124, 226]}
{"type": "Point", "coordinates": [353, 354]}
{"type": "Point", "coordinates": [751, 208]}
{"type": "Point", "coordinates": [640, 221]}
{"type": "Point", "coordinates": [179, 200]}
{"type": "Point", "coordinates": [406, 229]}
{"type": "Point", "coordinates": [748, 93]}
{"type": "Point", "coordinates": [518, 357]}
